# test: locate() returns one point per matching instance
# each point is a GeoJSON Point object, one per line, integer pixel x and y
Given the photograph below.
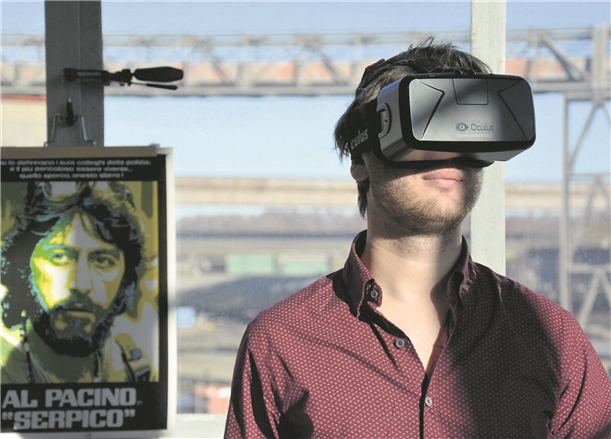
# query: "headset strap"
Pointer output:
{"type": "Point", "coordinates": [366, 136]}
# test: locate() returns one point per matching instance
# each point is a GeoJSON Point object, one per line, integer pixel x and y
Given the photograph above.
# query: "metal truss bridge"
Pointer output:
{"type": "Point", "coordinates": [572, 61]}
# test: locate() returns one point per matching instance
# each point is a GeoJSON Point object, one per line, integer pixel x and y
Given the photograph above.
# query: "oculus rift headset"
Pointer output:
{"type": "Point", "coordinates": [485, 117]}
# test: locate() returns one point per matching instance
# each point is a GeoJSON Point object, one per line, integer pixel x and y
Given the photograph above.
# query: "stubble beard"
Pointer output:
{"type": "Point", "coordinates": [76, 342]}
{"type": "Point", "coordinates": [402, 211]}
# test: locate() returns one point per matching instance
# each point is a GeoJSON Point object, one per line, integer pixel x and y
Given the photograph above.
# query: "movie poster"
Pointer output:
{"type": "Point", "coordinates": [85, 292]}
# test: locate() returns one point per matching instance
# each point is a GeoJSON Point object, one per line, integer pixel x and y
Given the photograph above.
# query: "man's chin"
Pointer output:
{"type": "Point", "coordinates": [74, 340]}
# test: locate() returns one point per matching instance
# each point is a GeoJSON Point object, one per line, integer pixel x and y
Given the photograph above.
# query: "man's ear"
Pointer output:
{"type": "Point", "coordinates": [358, 171]}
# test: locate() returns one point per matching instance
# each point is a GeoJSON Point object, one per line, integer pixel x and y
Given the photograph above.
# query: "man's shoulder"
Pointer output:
{"type": "Point", "coordinates": [523, 304]}
{"type": "Point", "coordinates": [311, 303]}
{"type": "Point", "coordinates": [12, 362]}
{"type": "Point", "coordinates": [310, 299]}
{"type": "Point", "coordinates": [512, 290]}
{"type": "Point", "coordinates": [127, 355]}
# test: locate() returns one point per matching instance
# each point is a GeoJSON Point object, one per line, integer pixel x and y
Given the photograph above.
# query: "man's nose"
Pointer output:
{"type": "Point", "coordinates": [82, 280]}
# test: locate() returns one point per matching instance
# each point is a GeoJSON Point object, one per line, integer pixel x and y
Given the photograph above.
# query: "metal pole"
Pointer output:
{"type": "Point", "coordinates": [73, 38]}
{"type": "Point", "coordinates": [564, 251]}
{"type": "Point", "coordinates": [488, 37]}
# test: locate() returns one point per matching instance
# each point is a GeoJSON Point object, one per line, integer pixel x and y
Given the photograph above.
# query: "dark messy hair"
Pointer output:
{"type": "Point", "coordinates": [385, 72]}
{"type": "Point", "coordinates": [110, 207]}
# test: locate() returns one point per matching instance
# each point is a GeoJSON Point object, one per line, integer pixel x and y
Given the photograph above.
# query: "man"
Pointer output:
{"type": "Point", "coordinates": [69, 268]}
{"type": "Point", "coordinates": [412, 338]}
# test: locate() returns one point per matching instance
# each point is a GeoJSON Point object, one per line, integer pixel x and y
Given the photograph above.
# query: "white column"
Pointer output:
{"type": "Point", "coordinates": [488, 217]}
{"type": "Point", "coordinates": [73, 38]}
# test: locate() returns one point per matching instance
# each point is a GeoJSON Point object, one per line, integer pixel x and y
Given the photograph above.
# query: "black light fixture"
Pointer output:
{"type": "Point", "coordinates": [124, 77]}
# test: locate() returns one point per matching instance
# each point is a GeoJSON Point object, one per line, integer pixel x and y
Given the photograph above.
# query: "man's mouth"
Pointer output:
{"type": "Point", "coordinates": [78, 310]}
{"type": "Point", "coordinates": [444, 177]}
{"type": "Point", "coordinates": [454, 174]}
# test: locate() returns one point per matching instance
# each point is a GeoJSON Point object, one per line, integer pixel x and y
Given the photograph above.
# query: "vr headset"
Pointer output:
{"type": "Point", "coordinates": [485, 117]}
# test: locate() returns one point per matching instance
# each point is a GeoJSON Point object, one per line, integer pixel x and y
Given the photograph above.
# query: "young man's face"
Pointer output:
{"type": "Point", "coordinates": [428, 201]}
{"type": "Point", "coordinates": [76, 277]}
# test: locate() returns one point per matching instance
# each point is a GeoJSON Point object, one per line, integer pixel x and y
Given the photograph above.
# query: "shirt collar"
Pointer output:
{"type": "Point", "coordinates": [359, 283]}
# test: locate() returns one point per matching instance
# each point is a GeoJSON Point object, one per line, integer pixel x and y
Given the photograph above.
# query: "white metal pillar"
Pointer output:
{"type": "Point", "coordinates": [73, 38]}
{"type": "Point", "coordinates": [488, 37]}
{"type": "Point", "coordinates": [564, 251]}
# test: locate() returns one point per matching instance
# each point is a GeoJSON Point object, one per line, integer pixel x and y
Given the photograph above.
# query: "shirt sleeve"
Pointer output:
{"type": "Point", "coordinates": [584, 406]}
{"type": "Point", "coordinates": [252, 412]}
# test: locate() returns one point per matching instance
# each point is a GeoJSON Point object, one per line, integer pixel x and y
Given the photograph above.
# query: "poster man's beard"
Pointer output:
{"type": "Point", "coordinates": [77, 342]}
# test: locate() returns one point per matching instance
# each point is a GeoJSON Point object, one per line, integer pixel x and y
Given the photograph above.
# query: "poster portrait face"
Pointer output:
{"type": "Point", "coordinates": [77, 266]}
{"type": "Point", "coordinates": [76, 278]}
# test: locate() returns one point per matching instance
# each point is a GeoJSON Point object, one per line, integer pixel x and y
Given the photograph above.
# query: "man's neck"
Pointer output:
{"type": "Point", "coordinates": [411, 267]}
{"type": "Point", "coordinates": [58, 368]}
{"type": "Point", "coordinates": [413, 272]}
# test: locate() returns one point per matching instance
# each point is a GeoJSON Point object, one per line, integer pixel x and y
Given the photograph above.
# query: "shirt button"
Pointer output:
{"type": "Point", "coordinates": [399, 343]}
{"type": "Point", "coordinates": [428, 401]}
{"type": "Point", "coordinates": [374, 294]}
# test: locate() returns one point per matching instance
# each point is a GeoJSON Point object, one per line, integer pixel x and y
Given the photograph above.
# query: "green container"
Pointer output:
{"type": "Point", "coordinates": [264, 265]}
{"type": "Point", "coordinates": [304, 268]}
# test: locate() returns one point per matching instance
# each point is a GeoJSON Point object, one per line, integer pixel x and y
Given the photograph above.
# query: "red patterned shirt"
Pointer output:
{"type": "Point", "coordinates": [325, 363]}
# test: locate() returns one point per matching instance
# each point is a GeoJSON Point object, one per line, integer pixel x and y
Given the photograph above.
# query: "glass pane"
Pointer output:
{"type": "Point", "coordinates": [231, 266]}
{"type": "Point", "coordinates": [559, 231]}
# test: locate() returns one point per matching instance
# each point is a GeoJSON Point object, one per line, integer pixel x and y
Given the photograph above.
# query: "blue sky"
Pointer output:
{"type": "Point", "coordinates": [237, 17]}
{"type": "Point", "coordinates": [292, 137]}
